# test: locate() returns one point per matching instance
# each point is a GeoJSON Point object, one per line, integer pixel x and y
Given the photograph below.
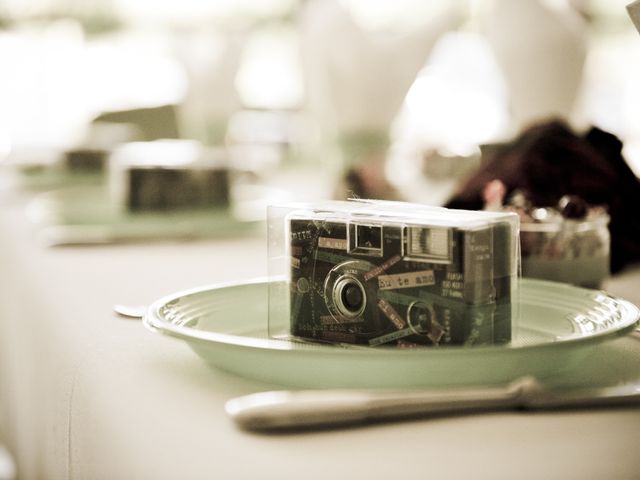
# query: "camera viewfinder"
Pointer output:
{"type": "Point", "coordinates": [366, 239]}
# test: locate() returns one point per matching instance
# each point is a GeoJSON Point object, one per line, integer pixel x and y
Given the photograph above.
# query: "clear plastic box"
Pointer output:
{"type": "Point", "coordinates": [378, 273]}
{"type": "Point", "coordinates": [567, 250]}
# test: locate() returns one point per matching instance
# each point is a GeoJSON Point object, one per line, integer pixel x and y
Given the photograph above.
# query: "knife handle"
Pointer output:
{"type": "Point", "coordinates": [318, 408]}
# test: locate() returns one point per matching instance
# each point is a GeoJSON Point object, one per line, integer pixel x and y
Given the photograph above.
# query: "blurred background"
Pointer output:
{"type": "Point", "coordinates": [310, 99]}
{"type": "Point", "coordinates": [294, 78]}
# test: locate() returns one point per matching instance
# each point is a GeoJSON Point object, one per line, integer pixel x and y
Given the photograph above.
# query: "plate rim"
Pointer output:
{"type": "Point", "coordinates": [153, 321]}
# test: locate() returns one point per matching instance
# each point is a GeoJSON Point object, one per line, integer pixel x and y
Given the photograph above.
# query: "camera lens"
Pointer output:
{"type": "Point", "coordinates": [349, 297]}
{"type": "Point", "coordinates": [352, 297]}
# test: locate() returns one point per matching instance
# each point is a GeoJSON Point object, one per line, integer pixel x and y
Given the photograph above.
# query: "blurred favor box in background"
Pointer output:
{"type": "Point", "coordinates": [165, 175]}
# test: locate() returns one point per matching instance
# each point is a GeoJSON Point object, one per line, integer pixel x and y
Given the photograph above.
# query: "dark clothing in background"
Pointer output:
{"type": "Point", "coordinates": [549, 160]}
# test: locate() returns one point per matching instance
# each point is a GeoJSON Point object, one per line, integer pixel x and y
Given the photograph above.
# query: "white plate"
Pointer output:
{"type": "Point", "coordinates": [227, 326]}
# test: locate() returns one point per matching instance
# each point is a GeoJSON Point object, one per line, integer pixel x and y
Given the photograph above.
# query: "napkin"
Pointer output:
{"type": "Point", "coordinates": [211, 59]}
{"type": "Point", "coordinates": [541, 51]}
{"type": "Point", "coordinates": [357, 79]}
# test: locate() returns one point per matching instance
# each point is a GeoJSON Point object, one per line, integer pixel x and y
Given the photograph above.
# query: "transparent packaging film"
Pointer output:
{"type": "Point", "coordinates": [375, 273]}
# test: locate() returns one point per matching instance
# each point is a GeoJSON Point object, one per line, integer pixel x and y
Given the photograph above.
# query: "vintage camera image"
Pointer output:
{"type": "Point", "coordinates": [375, 282]}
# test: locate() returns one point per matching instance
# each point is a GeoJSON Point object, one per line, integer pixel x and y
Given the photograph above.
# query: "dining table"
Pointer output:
{"type": "Point", "coordinates": [86, 393]}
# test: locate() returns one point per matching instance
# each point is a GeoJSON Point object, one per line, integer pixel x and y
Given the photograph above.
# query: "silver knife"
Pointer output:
{"type": "Point", "coordinates": [324, 408]}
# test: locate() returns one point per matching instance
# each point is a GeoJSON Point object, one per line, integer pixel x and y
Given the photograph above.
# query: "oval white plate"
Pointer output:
{"type": "Point", "coordinates": [227, 326]}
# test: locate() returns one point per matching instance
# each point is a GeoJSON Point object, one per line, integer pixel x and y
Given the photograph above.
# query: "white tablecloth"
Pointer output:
{"type": "Point", "coordinates": [85, 394]}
